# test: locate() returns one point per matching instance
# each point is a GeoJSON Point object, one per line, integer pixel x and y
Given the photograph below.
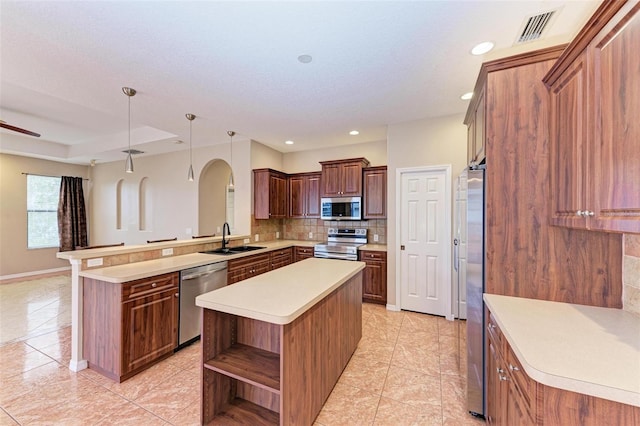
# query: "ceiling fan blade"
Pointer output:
{"type": "Point", "coordinates": [18, 129]}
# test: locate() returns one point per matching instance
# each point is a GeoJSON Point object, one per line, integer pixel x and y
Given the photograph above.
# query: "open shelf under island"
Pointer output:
{"type": "Point", "coordinates": [273, 346]}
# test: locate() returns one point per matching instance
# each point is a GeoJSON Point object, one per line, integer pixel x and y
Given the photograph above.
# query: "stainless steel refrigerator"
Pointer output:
{"type": "Point", "coordinates": [475, 280]}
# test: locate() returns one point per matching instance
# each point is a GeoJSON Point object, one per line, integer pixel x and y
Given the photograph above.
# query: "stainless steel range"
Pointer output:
{"type": "Point", "coordinates": [342, 243]}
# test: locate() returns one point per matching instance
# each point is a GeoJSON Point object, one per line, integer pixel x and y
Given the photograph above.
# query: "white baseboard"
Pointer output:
{"type": "Point", "coordinates": [14, 277]}
{"type": "Point", "coordinates": [78, 365]}
{"type": "Point", "coordinates": [393, 308]}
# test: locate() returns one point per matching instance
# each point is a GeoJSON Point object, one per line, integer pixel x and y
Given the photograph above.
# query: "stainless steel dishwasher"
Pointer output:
{"type": "Point", "coordinates": [194, 282]}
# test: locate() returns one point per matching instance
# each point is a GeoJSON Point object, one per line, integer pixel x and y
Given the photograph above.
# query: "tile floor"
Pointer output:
{"type": "Point", "coordinates": [404, 372]}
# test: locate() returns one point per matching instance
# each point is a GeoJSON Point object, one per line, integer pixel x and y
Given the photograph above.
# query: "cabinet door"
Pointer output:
{"type": "Point", "coordinates": [150, 328]}
{"type": "Point", "coordinates": [297, 199]}
{"type": "Point", "coordinates": [313, 196]}
{"type": "Point", "coordinates": [351, 180]}
{"type": "Point", "coordinates": [303, 253]}
{"type": "Point", "coordinates": [374, 278]}
{"type": "Point", "coordinates": [479, 129]}
{"type": "Point", "coordinates": [568, 145]}
{"type": "Point", "coordinates": [496, 387]}
{"type": "Point", "coordinates": [278, 196]}
{"type": "Point", "coordinates": [614, 180]}
{"type": "Point", "coordinates": [331, 180]}
{"type": "Point", "coordinates": [375, 194]}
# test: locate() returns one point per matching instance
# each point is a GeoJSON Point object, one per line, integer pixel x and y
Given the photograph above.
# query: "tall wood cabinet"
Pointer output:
{"type": "Point", "coordinates": [343, 178]}
{"type": "Point", "coordinates": [525, 255]}
{"type": "Point", "coordinates": [595, 131]}
{"type": "Point", "coordinates": [129, 326]}
{"type": "Point", "coordinates": [475, 130]}
{"type": "Point", "coordinates": [304, 195]}
{"type": "Point", "coordinates": [270, 196]}
{"type": "Point", "coordinates": [374, 200]}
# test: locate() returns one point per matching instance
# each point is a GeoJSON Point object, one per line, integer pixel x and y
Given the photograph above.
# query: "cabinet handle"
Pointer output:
{"type": "Point", "coordinates": [154, 285]}
{"type": "Point", "coordinates": [589, 213]}
{"type": "Point", "coordinates": [504, 378]}
{"type": "Point", "coordinates": [513, 368]}
{"type": "Point", "coordinates": [499, 370]}
{"type": "Point", "coordinates": [491, 326]}
{"type": "Point", "coordinates": [177, 295]}
{"type": "Point", "coordinates": [579, 213]}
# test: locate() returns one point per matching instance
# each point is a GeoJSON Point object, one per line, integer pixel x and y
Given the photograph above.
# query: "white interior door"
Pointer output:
{"type": "Point", "coordinates": [425, 238]}
{"type": "Point", "coordinates": [459, 282]}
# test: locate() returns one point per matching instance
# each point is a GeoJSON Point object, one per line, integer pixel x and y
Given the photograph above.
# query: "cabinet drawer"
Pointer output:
{"type": "Point", "coordinates": [303, 253]}
{"type": "Point", "coordinates": [495, 333]}
{"type": "Point", "coordinates": [236, 264]}
{"type": "Point", "coordinates": [147, 286]}
{"type": "Point", "coordinates": [373, 255]}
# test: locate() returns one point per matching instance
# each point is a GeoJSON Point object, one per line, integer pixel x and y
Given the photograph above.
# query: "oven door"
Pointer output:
{"type": "Point", "coordinates": [341, 256]}
{"type": "Point", "coordinates": [341, 208]}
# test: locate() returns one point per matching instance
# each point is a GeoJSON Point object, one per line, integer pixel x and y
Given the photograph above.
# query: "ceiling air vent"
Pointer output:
{"type": "Point", "coordinates": [534, 27]}
{"type": "Point", "coordinates": [133, 151]}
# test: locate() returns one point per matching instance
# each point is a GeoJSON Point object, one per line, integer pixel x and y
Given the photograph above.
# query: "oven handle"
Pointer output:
{"type": "Point", "coordinates": [334, 256]}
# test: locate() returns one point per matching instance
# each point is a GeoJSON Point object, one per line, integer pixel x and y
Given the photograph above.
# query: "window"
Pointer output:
{"type": "Point", "coordinates": [42, 211]}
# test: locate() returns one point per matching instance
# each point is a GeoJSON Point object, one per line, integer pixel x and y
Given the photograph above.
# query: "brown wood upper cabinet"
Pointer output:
{"type": "Point", "coordinates": [304, 195]}
{"type": "Point", "coordinates": [343, 178]}
{"type": "Point", "coordinates": [269, 194]}
{"type": "Point", "coordinates": [595, 131]}
{"type": "Point", "coordinates": [374, 180]}
{"type": "Point", "coordinates": [476, 130]}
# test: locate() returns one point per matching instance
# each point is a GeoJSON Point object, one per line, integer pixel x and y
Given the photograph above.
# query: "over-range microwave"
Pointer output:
{"type": "Point", "coordinates": [341, 208]}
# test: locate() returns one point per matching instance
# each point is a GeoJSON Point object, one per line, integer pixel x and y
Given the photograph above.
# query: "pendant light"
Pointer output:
{"type": "Point", "coordinates": [190, 117]}
{"type": "Point", "coordinates": [128, 167]}
{"type": "Point", "coordinates": [231, 134]}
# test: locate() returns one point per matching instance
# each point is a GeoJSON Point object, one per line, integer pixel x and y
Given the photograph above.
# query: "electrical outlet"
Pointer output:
{"type": "Point", "coordinates": [167, 251]}
{"type": "Point", "coordinates": [277, 235]}
{"type": "Point", "coordinates": [217, 229]}
{"type": "Point", "coordinates": [310, 235]}
{"type": "Point", "coordinates": [375, 238]}
{"type": "Point", "coordinates": [256, 238]}
{"type": "Point", "coordinates": [246, 241]}
{"type": "Point", "coordinates": [94, 262]}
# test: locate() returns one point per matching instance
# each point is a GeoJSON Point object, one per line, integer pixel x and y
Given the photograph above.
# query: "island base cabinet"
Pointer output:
{"type": "Point", "coordinates": [255, 372]}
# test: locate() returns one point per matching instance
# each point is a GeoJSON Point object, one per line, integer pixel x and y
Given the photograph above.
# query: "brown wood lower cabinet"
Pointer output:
{"type": "Point", "coordinates": [251, 266]}
{"type": "Point", "coordinates": [282, 257]}
{"type": "Point", "coordinates": [513, 398]}
{"type": "Point", "coordinates": [259, 373]}
{"type": "Point", "coordinates": [374, 281]}
{"type": "Point", "coordinates": [301, 253]}
{"type": "Point", "coordinates": [130, 326]}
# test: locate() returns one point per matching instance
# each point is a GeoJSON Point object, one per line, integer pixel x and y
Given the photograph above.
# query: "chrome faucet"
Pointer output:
{"type": "Point", "coordinates": [228, 233]}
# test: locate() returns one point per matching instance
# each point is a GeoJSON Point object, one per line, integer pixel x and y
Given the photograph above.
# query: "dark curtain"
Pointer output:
{"type": "Point", "coordinates": [72, 218]}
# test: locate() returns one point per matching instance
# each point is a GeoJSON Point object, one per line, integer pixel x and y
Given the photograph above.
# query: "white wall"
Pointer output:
{"type": "Point", "coordinates": [427, 142]}
{"type": "Point", "coordinates": [308, 161]}
{"type": "Point", "coordinates": [172, 198]}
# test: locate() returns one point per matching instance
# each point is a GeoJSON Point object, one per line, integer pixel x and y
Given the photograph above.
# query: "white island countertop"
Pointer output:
{"type": "Point", "coordinates": [584, 349]}
{"type": "Point", "coordinates": [280, 296]}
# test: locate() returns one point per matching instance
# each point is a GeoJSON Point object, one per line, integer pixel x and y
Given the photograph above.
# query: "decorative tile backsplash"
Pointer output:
{"type": "Point", "coordinates": [631, 273]}
{"type": "Point", "coordinates": [313, 229]}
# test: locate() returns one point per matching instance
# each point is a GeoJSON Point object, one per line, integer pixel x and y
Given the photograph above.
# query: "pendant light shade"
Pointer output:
{"type": "Point", "coordinates": [128, 165]}
{"type": "Point", "coordinates": [231, 133]}
{"type": "Point", "coordinates": [190, 176]}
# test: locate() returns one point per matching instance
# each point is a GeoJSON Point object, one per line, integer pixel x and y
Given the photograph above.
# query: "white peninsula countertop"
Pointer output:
{"type": "Point", "coordinates": [280, 296]}
{"type": "Point", "coordinates": [584, 349]}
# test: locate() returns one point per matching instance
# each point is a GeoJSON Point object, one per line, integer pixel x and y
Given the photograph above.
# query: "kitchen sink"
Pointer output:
{"type": "Point", "coordinates": [232, 250]}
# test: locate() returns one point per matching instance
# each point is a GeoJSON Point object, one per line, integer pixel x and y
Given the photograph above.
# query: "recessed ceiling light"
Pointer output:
{"type": "Point", "coordinates": [305, 59]}
{"type": "Point", "coordinates": [288, 142]}
{"type": "Point", "coordinates": [482, 48]}
{"type": "Point", "coordinates": [354, 133]}
{"type": "Point", "coordinates": [467, 96]}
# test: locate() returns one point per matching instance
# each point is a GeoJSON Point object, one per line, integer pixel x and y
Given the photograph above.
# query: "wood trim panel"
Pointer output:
{"type": "Point", "coordinates": [550, 53]}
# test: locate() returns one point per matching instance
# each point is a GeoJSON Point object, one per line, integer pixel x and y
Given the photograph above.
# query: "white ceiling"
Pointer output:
{"type": "Point", "coordinates": [234, 64]}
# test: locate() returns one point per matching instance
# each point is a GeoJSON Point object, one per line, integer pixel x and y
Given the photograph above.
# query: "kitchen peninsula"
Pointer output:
{"type": "Point", "coordinates": [273, 346]}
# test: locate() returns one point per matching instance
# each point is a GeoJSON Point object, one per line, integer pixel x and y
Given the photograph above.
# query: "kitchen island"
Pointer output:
{"type": "Point", "coordinates": [273, 346]}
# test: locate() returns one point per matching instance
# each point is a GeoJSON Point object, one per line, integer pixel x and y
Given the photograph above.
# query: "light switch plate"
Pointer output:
{"type": "Point", "coordinates": [277, 235]}
{"type": "Point", "coordinates": [246, 241]}
{"type": "Point", "coordinates": [375, 238]}
{"type": "Point", "coordinates": [310, 235]}
{"type": "Point", "coordinates": [94, 262]}
{"type": "Point", "coordinates": [256, 238]}
{"type": "Point", "coordinates": [167, 251]}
